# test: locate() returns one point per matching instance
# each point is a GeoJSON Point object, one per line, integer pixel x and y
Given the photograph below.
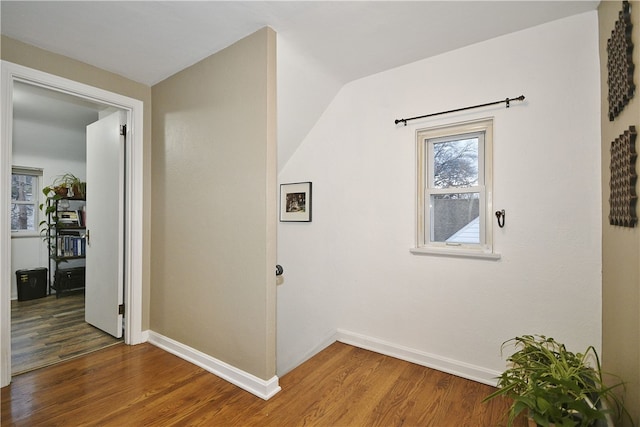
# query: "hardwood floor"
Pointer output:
{"type": "Point", "coordinates": [341, 386]}
{"type": "Point", "coordinates": [47, 330]}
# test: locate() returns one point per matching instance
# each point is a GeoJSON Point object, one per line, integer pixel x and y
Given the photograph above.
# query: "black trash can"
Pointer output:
{"type": "Point", "coordinates": [32, 284]}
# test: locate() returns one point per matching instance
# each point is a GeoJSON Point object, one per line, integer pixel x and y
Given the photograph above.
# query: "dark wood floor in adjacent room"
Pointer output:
{"type": "Point", "coordinates": [48, 330]}
{"type": "Point", "coordinates": [341, 386]}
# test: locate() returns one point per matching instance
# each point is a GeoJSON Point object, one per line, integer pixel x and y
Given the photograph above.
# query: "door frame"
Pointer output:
{"type": "Point", "coordinates": [133, 197]}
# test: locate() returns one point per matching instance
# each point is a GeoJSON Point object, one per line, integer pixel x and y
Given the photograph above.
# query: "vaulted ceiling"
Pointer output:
{"type": "Point", "coordinates": [148, 41]}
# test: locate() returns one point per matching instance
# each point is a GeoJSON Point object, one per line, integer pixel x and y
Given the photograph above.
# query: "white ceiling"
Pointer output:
{"type": "Point", "coordinates": [52, 108]}
{"type": "Point", "coordinates": [148, 41]}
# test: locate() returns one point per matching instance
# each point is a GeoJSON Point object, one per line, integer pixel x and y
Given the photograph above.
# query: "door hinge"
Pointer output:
{"type": "Point", "coordinates": [121, 309]}
{"type": "Point", "coordinates": [123, 130]}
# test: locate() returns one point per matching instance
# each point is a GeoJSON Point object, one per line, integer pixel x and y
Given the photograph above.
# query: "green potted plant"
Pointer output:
{"type": "Point", "coordinates": [74, 186]}
{"type": "Point", "coordinates": [67, 185]}
{"type": "Point", "coordinates": [557, 387]}
{"type": "Point", "coordinates": [64, 186]}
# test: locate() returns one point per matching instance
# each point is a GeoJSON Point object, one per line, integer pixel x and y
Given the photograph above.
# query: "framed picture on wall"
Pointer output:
{"type": "Point", "coordinates": [295, 202]}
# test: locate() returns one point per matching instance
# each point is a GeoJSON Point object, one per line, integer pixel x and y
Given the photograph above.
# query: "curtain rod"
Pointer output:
{"type": "Point", "coordinates": [508, 100]}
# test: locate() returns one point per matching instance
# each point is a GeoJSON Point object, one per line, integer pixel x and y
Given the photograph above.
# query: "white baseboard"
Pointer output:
{"type": "Point", "coordinates": [267, 389]}
{"type": "Point", "coordinates": [264, 389]}
{"type": "Point", "coordinates": [444, 364]}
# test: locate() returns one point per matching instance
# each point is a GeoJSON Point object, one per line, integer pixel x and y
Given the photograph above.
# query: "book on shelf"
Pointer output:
{"type": "Point", "coordinates": [71, 245]}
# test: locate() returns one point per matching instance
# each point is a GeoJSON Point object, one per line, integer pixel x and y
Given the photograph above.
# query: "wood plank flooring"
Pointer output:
{"type": "Point", "coordinates": [341, 386]}
{"type": "Point", "coordinates": [47, 330]}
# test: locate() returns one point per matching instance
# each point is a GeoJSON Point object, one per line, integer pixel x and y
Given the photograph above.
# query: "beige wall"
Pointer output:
{"type": "Point", "coordinates": [29, 56]}
{"type": "Point", "coordinates": [620, 246]}
{"type": "Point", "coordinates": [214, 205]}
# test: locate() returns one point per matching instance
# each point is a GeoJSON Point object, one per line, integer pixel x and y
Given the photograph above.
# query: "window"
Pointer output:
{"type": "Point", "coordinates": [454, 190]}
{"type": "Point", "coordinates": [25, 189]}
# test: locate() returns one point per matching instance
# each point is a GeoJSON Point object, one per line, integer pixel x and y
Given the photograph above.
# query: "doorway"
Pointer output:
{"type": "Point", "coordinates": [51, 318]}
{"type": "Point", "coordinates": [133, 214]}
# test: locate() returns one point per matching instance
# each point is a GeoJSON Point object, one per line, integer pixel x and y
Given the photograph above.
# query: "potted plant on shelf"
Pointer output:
{"type": "Point", "coordinates": [64, 186]}
{"type": "Point", "coordinates": [67, 185]}
{"type": "Point", "coordinates": [557, 387]}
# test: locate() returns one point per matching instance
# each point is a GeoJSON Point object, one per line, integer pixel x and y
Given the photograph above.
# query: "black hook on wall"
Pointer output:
{"type": "Point", "coordinates": [501, 215]}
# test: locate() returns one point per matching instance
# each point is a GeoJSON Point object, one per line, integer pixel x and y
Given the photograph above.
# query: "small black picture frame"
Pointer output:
{"type": "Point", "coordinates": [295, 202]}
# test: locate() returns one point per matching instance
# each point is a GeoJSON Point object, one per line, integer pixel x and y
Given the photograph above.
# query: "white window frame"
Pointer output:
{"type": "Point", "coordinates": [426, 138]}
{"type": "Point", "coordinates": [37, 174]}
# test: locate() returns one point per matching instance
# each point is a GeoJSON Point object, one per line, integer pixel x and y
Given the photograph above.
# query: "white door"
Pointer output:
{"type": "Point", "coordinates": [105, 224]}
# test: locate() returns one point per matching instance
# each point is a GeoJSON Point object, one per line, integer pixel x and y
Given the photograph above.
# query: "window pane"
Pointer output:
{"type": "Point", "coordinates": [455, 163]}
{"type": "Point", "coordinates": [22, 187]}
{"type": "Point", "coordinates": [455, 218]}
{"type": "Point", "coordinates": [23, 217]}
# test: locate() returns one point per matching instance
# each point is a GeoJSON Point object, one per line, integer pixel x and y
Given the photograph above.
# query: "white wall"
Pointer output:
{"type": "Point", "coordinates": [56, 149]}
{"type": "Point", "coordinates": [351, 270]}
{"type": "Point", "coordinates": [305, 89]}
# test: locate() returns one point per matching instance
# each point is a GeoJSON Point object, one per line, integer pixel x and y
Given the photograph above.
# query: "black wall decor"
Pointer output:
{"type": "Point", "coordinates": [620, 63]}
{"type": "Point", "coordinates": [622, 199]}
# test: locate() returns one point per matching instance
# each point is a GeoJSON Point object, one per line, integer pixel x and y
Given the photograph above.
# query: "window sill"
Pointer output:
{"type": "Point", "coordinates": [22, 234]}
{"type": "Point", "coordinates": [456, 253]}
